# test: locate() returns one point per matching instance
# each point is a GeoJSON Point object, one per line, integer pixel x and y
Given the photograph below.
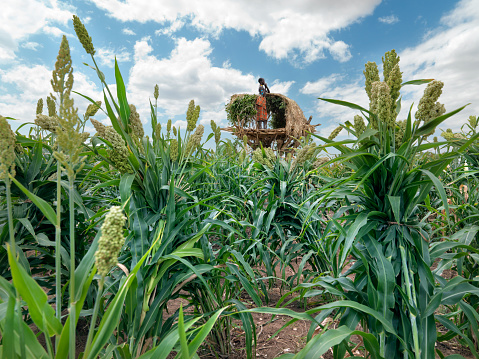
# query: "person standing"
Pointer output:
{"type": "Point", "coordinates": [261, 111]}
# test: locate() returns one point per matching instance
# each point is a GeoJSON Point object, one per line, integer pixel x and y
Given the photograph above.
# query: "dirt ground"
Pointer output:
{"type": "Point", "coordinates": [293, 338]}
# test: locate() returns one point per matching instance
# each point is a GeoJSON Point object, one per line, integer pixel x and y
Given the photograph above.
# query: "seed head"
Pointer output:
{"type": "Point", "coordinates": [174, 150]}
{"type": "Point", "coordinates": [51, 106]}
{"type": "Point", "coordinates": [371, 73]}
{"type": "Point", "coordinates": [335, 133]}
{"type": "Point", "coordinates": [472, 121]}
{"type": "Point", "coordinates": [119, 152]}
{"type": "Point", "coordinates": [428, 100]}
{"type": "Point", "coordinates": [195, 140]}
{"type": "Point", "coordinates": [384, 104]}
{"type": "Point", "coordinates": [92, 109]}
{"type": "Point", "coordinates": [39, 107]}
{"type": "Point", "coordinates": [168, 126]}
{"type": "Point", "coordinates": [111, 240]}
{"type": "Point", "coordinates": [99, 127]}
{"type": "Point", "coordinates": [394, 82]}
{"type": "Point", "coordinates": [47, 123]}
{"type": "Point", "coordinates": [156, 92]}
{"type": "Point", "coordinates": [269, 158]}
{"type": "Point", "coordinates": [400, 131]}
{"type": "Point", "coordinates": [7, 149]}
{"type": "Point", "coordinates": [320, 161]}
{"type": "Point", "coordinates": [83, 36]}
{"type": "Point", "coordinates": [359, 125]}
{"type": "Point", "coordinates": [158, 130]}
{"type": "Point", "coordinates": [245, 141]}
{"type": "Point", "coordinates": [135, 122]}
{"type": "Point", "coordinates": [192, 116]}
{"type": "Point", "coordinates": [216, 130]}
{"type": "Point", "coordinates": [302, 155]}
{"type": "Point", "coordinates": [390, 60]}
{"type": "Point", "coordinates": [174, 131]}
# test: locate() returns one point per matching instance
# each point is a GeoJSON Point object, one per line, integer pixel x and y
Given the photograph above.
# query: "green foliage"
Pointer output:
{"type": "Point", "coordinates": [277, 108]}
{"type": "Point", "coordinates": [242, 111]}
{"type": "Point", "coordinates": [361, 229]}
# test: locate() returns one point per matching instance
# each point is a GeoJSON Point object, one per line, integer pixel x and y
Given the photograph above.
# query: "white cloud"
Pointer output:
{"type": "Point", "coordinates": [319, 86]}
{"type": "Point", "coordinates": [107, 56]}
{"type": "Point", "coordinates": [31, 45]}
{"type": "Point", "coordinates": [186, 74]}
{"type": "Point", "coordinates": [281, 87]}
{"type": "Point", "coordinates": [32, 83]}
{"type": "Point", "coordinates": [450, 55]}
{"type": "Point", "coordinates": [128, 31]}
{"type": "Point", "coordinates": [175, 26]}
{"type": "Point", "coordinates": [391, 19]}
{"type": "Point", "coordinates": [21, 18]}
{"type": "Point", "coordinates": [297, 31]}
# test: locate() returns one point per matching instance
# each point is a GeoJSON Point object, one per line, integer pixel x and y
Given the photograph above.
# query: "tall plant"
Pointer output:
{"type": "Point", "coordinates": [394, 292]}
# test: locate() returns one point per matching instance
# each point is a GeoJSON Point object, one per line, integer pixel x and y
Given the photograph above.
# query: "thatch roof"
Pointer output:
{"type": "Point", "coordinates": [296, 126]}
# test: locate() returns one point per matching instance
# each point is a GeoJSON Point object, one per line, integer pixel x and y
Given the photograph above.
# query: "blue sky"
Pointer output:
{"type": "Point", "coordinates": [210, 50]}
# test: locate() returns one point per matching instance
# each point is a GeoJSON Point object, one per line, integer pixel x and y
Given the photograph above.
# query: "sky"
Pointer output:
{"type": "Point", "coordinates": [210, 50]}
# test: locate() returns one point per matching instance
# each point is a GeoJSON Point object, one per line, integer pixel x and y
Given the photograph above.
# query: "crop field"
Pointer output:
{"type": "Point", "coordinates": [121, 245]}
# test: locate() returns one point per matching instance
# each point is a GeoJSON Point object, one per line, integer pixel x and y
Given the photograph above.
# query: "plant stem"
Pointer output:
{"type": "Point", "coordinates": [14, 255]}
{"type": "Point", "coordinates": [72, 270]}
{"type": "Point", "coordinates": [10, 217]}
{"type": "Point", "coordinates": [58, 274]}
{"type": "Point", "coordinates": [417, 350]}
{"type": "Point", "coordinates": [94, 316]}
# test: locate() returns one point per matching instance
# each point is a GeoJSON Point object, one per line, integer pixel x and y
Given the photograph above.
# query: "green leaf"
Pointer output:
{"type": "Point", "coordinates": [440, 189]}
{"type": "Point", "coordinates": [417, 82]}
{"type": "Point", "coordinates": [352, 231]}
{"type": "Point", "coordinates": [121, 94]}
{"type": "Point", "coordinates": [41, 312]}
{"type": "Point", "coordinates": [346, 104]}
{"type": "Point", "coordinates": [431, 125]}
{"type": "Point", "coordinates": [46, 209]}
{"type": "Point", "coordinates": [396, 207]}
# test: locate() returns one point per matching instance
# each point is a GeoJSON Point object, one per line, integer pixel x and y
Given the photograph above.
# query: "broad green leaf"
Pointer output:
{"type": "Point", "coordinates": [46, 209]}
{"type": "Point", "coordinates": [41, 312]}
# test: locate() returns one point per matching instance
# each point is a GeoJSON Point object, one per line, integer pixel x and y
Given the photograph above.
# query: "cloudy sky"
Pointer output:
{"type": "Point", "coordinates": [210, 50]}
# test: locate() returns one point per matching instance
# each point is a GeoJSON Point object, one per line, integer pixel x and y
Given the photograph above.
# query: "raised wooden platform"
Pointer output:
{"type": "Point", "coordinates": [267, 137]}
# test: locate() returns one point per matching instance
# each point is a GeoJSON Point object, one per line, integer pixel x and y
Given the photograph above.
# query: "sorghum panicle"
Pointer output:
{"type": "Point", "coordinates": [335, 133]}
{"type": "Point", "coordinates": [372, 75]}
{"type": "Point", "coordinates": [194, 140]}
{"type": "Point", "coordinates": [158, 130]}
{"type": "Point", "coordinates": [394, 82]}
{"type": "Point", "coordinates": [83, 36]}
{"type": "Point", "coordinates": [384, 104]}
{"type": "Point", "coordinates": [7, 149]}
{"type": "Point", "coordinates": [92, 109]}
{"type": "Point", "coordinates": [190, 117]}
{"type": "Point", "coordinates": [268, 160]}
{"type": "Point", "coordinates": [135, 122]}
{"type": "Point", "coordinates": [431, 94]}
{"type": "Point", "coordinates": [111, 240]}
{"type": "Point", "coordinates": [390, 60]}
{"type": "Point", "coordinates": [51, 106]}
{"type": "Point", "coordinates": [39, 107]}
{"type": "Point", "coordinates": [174, 150]}
{"type": "Point", "coordinates": [47, 123]}
{"type": "Point", "coordinates": [359, 125]}
{"type": "Point", "coordinates": [156, 92]}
